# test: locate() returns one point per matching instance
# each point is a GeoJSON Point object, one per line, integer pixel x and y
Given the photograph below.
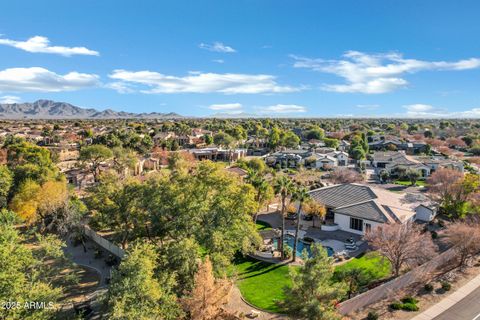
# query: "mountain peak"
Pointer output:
{"type": "Point", "coordinates": [48, 109]}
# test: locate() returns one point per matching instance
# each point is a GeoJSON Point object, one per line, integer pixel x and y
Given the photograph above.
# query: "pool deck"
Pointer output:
{"type": "Point", "coordinates": [333, 239]}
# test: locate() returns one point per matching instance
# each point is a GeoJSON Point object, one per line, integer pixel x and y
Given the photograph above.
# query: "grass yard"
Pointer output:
{"type": "Point", "coordinates": [262, 283]}
{"type": "Point", "coordinates": [374, 266]}
{"type": "Point", "coordinates": [407, 183]}
{"type": "Point", "coordinates": [261, 225]}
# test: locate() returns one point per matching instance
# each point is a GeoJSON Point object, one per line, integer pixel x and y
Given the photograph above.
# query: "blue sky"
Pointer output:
{"type": "Point", "coordinates": [269, 58]}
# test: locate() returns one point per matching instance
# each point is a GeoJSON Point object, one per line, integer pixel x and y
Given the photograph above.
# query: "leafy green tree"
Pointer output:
{"type": "Point", "coordinates": [24, 274]}
{"type": "Point", "coordinates": [357, 153]}
{"type": "Point", "coordinates": [223, 139]}
{"type": "Point", "coordinates": [29, 162]}
{"type": "Point", "coordinates": [315, 132]}
{"type": "Point", "coordinates": [139, 291]}
{"type": "Point", "coordinates": [208, 139]}
{"type": "Point", "coordinates": [94, 155]}
{"type": "Point", "coordinates": [119, 206]}
{"type": "Point", "coordinates": [313, 295]}
{"type": "Point", "coordinates": [6, 182]}
{"type": "Point", "coordinates": [353, 277]}
{"type": "Point", "coordinates": [181, 259]}
{"type": "Point", "coordinates": [274, 138]}
{"type": "Point", "coordinates": [413, 175]}
{"type": "Point", "coordinates": [205, 203]}
{"type": "Point", "coordinates": [238, 132]}
{"type": "Point", "coordinates": [290, 140]}
{"type": "Point", "coordinates": [124, 159]}
{"type": "Point", "coordinates": [331, 143]}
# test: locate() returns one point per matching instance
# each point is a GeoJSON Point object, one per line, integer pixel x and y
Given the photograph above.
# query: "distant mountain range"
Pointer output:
{"type": "Point", "coordinates": [47, 109]}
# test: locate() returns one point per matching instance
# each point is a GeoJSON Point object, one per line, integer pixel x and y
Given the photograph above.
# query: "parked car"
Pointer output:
{"type": "Point", "coordinates": [307, 217]}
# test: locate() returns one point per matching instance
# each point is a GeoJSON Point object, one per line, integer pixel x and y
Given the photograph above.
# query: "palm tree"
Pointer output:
{"type": "Point", "coordinates": [283, 188]}
{"type": "Point", "coordinates": [301, 195]}
{"type": "Point", "coordinates": [262, 188]}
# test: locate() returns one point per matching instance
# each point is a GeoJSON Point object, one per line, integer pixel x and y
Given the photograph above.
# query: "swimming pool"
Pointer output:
{"type": "Point", "coordinates": [289, 240]}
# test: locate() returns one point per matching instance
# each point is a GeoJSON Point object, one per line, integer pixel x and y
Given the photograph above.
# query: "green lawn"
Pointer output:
{"type": "Point", "coordinates": [261, 283]}
{"type": "Point", "coordinates": [373, 265]}
{"type": "Point", "coordinates": [263, 226]}
{"type": "Point", "coordinates": [419, 183]}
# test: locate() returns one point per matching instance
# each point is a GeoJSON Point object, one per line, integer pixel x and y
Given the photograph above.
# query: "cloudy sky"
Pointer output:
{"type": "Point", "coordinates": [270, 58]}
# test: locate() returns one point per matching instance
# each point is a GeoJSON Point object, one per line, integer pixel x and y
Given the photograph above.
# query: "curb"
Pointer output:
{"type": "Point", "coordinates": [449, 301]}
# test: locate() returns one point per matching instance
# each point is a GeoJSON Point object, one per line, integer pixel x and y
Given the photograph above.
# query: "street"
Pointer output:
{"type": "Point", "coordinates": [466, 309]}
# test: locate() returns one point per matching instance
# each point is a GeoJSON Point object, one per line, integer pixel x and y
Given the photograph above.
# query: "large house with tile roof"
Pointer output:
{"type": "Point", "coordinates": [358, 208]}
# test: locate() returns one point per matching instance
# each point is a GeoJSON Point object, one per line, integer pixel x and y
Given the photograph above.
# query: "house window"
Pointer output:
{"type": "Point", "coordinates": [356, 224]}
{"type": "Point", "coordinates": [368, 227]}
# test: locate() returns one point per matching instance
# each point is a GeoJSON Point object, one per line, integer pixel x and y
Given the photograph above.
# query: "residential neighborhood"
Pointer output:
{"type": "Point", "coordinates": [234, 160]}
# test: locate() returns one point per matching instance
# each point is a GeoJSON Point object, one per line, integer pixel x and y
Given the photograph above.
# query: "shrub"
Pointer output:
{"type": "Point", "coordinates": [434, 234]}
{"type": "Point", "coordinates": [428, 287]}
{"type": "Point", "coordinates": [409, 299]}
{"type": "Point", "coordinates": [372, 315]}
{"type": "Point", "coordinates": [446, 286]}
{"type": "Point", "coordinates": [396, 305]}
{"type": "Point", "coordinates": [410, 307]}
{"type": "Point", "coordinates": [408, 303]}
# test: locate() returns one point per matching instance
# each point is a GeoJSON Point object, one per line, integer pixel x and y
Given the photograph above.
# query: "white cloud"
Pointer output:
{"type": "Point", "coordinates": [282, 108]}
{"type": "Point", "coordinates": [376, 73]}
{"type": "Point", "coordinates": [420, 110]}
{"type": "Point", "coordinates": [36, 79]}
{"type": "Point", "coordinates": [225, 106]}
{"type": "Point", "coordinates": [418, 107]}
{"type": "Point", "coordinates": [197, 82]}
{"type": "Point", "coordinates": [40, 44]}
{"type": "Point", "coordinates": [218, 61]}
{"type": "Point", "coordinates": [217, 47]}
{"type": "Point", "coordinates": [9, 99]}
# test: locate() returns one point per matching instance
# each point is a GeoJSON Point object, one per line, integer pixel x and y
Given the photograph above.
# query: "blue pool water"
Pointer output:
{"type": "Point", "coordinates": [289, 240]}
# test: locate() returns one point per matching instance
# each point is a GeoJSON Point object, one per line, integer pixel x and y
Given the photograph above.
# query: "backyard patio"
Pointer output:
{"type": "Point", "coordinates": [341, 243]}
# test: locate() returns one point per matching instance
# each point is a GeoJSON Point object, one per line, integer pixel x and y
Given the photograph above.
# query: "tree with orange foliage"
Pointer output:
{"type": "Point", "coordinates": [33, 200]}
{"type": "Point", "coordinates": [315, 209]}
{"type": "Point", "coordinates": [208, 296]}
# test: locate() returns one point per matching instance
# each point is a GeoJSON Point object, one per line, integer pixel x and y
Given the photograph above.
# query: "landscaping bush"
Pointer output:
{"type": "Point", "coordinates": [428, 287]}
{"type": "Point", "coordinates": [396, 305]}
{"type": "Point", "coordinates": [434, 234]}
{"type": "Point", "coordinates": [372, 315]}
{"type": "Point", "coordinates": [410, 307]}
{"type": "Point", "coordinates": [409, 299]}
{"type": "Point", "coordinates": [446, 286]}
{"type": "Point", "coordinates": [407, 303]}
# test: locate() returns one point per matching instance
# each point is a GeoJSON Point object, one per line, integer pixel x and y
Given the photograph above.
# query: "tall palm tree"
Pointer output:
{"type": "Point", "coordinates": [301, 195]}
{"type": "Point", "coordinates": [262, 188]}
{"type": "Point", "coordinates": [283, 188]}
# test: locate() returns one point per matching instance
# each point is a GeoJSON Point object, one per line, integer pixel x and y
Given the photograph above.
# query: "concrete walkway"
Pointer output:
{"type": "Point", "coordinates": [449, 301]}
{"type": "Point", "coordinates": [87, 259]}
{"type": "Point", "coordinates": [238, 305]}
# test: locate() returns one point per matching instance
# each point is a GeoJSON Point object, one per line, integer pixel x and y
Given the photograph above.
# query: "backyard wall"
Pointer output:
{"type": "Point", "coordinates": [104, 243]}
{"type": "Point", "coordinates": [388, 289]}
